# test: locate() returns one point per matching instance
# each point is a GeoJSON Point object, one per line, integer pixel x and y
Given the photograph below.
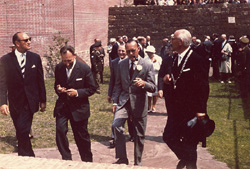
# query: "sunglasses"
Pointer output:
{"type": "Point", "coordinates": [26, 40]}
{"type": "Point", "coordinates": [132, 50]}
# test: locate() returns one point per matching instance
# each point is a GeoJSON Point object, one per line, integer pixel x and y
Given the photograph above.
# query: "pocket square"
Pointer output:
{"type": "Point", "coordinates": [78, 79]}
{"type": "Point", "coordinates": [33, 66]}
{"type": "Point", "coordinates": [185, 70]}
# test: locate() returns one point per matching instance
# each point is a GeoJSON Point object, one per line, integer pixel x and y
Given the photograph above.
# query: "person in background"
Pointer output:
{"type": "Point", "coordinates": [225, 68]}
{"type": "Point", "coordinates": [125, 38]}
{"type": "Point", "coordinates": [74, 83]}
{"type": "Point", "coordinates": [97, 64]}
{"type": "Point", "coordinates": [22, 83]}
{"type": "Point", "coordinates": [156, 61]}
{"type": "Point", "coordinates": [113, 53]}
{"type": "Point", "coordinates": [244, 66]}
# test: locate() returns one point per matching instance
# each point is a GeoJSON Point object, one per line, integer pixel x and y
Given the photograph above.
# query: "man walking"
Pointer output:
{"type": "Point", "coordinates": [135, 78]}
{"type": "Point", "coordinates": [74, 83]}
{"type": "Point", "coordinates": [22, 82]}
{"type": "Point", "coordinates": [188, 91]}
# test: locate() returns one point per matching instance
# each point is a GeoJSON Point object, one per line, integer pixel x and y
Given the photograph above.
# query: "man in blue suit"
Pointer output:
{"type": "Point", "coordinates": [22, 82]}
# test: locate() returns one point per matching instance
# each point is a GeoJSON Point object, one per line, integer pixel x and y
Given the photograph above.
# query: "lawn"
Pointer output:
{"type": "Point", "coordinates": [229, 143]}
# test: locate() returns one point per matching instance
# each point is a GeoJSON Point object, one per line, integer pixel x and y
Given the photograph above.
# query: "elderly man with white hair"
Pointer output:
{"type": "Point", "coordinates": [187, 91]}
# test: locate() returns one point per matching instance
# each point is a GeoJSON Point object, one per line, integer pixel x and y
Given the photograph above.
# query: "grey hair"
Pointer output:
{"type": "Point", "coordinates": [185, 36]}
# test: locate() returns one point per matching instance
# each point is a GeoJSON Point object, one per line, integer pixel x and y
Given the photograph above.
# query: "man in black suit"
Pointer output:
{"type": "Point", "coordinates": [74, 83]}
{"type": "Point", "coordinates": [21, 81]}
{"type": "Point", "coordinates": [188, 91]}
{"type": "Point", "coordinates": [216, 56]}
{"type": "Point", "coordinates": [113, 54]}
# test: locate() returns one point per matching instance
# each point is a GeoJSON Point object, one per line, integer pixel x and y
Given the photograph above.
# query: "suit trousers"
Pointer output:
{"type": "Point", "coordinates": [184, 148]}
{"type": "Point", "coordinates": [22, 121]}
{"type": "Point", "coordinates": [81, 135]}
{"type": "Point", "coordinates": [139, 127]}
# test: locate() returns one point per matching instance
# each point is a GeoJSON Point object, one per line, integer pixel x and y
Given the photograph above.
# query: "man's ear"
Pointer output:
{"type": "Point", "coordinates": [139, 48]}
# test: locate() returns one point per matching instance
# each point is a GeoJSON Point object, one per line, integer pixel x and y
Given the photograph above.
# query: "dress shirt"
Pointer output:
{"type": "Point", "coordinates": [181, 55]}
{"type": "Point", "coordinates": [135, 63]}
{"type": "Point", "coordinates": [20, 57]}
{"type": "Point", "coordinates": [69, 71]}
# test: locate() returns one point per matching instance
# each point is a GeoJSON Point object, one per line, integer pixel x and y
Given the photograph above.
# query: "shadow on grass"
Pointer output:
{"type": "Point", "coordinates": [11, 140]}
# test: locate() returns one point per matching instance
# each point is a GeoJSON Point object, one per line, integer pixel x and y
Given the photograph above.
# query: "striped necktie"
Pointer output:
{"type": "Point", "coordinates": [22, 64]}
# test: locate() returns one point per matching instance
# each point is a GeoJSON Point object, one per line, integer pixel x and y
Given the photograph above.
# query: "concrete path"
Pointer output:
{"type": "Point", "coordinates": [156, 152]}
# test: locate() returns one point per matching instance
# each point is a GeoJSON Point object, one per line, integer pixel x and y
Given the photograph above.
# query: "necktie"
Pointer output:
{"type": "Point", "coordinates": [22, 64]}
{"type": "Point", "coordinates": [131, 70]}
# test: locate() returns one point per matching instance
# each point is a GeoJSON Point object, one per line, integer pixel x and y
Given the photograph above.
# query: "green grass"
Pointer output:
{"type": "Point", "coordinates": [229, 143]}
{"type": "Point", "coordinates": [44, 123]}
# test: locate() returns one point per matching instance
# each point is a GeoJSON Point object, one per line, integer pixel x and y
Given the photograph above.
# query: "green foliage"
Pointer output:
{"type": "Point", "coordinates": [54, 57]}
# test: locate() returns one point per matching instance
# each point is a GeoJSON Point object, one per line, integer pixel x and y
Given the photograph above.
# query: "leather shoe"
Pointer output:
{"type": "Point", "coordinates": [122, 161]}
{"type": "Point", "coordinates": [112, 144]}
{"type": "Point", "coordinates": [132, 139]}
{"type": "Point", "coordinates": [181, 164]}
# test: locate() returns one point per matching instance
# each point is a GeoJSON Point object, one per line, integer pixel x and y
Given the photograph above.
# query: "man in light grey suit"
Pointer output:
{"type": "Point", "coordinates": [135, 78]}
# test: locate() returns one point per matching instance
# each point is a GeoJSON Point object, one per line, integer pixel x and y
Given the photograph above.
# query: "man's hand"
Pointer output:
{"type": "Point", "coordinates": [61, 89]}
{"type": "Point", "coordinates": [139, 82]}
{"type": "Point", "coordinates": [167, 79]}
{"type": "Point", "coordinates": [114, 108]}
{"type": "Point", "coordinates": [42, 107]}
{"type": "Point", "coordinates": [5, 110]}
{"type": "Point", "coordinates": [160, 93]}
{"type": "Point", "coordinates": [71, 92]}
{"type": "Point", "coordinates": [200, 116]}
{"type": "Point", "coordinates": [109, 99]}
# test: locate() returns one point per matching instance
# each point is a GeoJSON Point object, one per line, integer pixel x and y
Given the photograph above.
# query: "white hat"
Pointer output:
{"type": "Point", "coordinates": [112, 40]}
{"type": "Point", "coordinates": [150, 49]}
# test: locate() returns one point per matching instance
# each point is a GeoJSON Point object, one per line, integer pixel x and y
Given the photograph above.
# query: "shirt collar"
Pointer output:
{"type": "Point", "coordinates": [135, 62]}
{"type": "Point", "coordinates": [184, 52]}
{"type": "Point", "coordinates": [19, 54]}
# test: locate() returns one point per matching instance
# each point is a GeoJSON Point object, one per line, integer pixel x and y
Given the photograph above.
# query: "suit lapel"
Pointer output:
{"type": "Point", "coordinates": [136, 72]}
{"type": "Point", "coordinates": [15, 62]}
{"type": "Point", "coordinates": [73, 73]}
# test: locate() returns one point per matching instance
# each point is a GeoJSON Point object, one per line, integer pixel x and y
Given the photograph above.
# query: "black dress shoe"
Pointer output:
{"type": "Point", "coordinates": [132, 139]}
{"type": "Point", "coordinates": [112, 144]}
{"type": "Point", "coordinates": [122, 161]}
{"type": "Point", "coordinates": [181, 164]}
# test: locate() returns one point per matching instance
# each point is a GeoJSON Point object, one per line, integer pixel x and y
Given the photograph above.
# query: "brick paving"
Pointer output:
{"type": "Point", "coordinates": [156, 153]}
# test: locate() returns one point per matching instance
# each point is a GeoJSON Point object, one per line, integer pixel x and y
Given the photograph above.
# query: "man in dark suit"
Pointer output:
{"type": "Point", "coordinates": [216, 56]}
{"type": "Point", "coordinates": [74, 83]}
{"type": "Point", "coordinates": [135, 78]}
{"type": "Point", "coordinates": [21, 81]}
{"type": "Point", "coordinates": [188, 91]}
{"type": "Point", "coordinates": [113, 54]}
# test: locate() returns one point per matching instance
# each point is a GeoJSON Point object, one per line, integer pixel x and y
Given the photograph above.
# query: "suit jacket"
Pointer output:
{"type": "Point", "coordinates": [114, 54]}
{"type": "Point", "coordinates": [125, 90]}
{"type": "Point", "coordinates": [82, 80]}
{"type": "Point", "coordinates": [192, 88]}
{"type": "Point", "coordinates": [20, 90]}
{"type": "Point", "coordinates": [113, 76]}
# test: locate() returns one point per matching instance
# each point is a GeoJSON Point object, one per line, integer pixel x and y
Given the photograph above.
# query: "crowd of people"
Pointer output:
{"type": "Point", "coordinates": [186, 2]}
{"type": "Point", "coordinates": [138, 76]}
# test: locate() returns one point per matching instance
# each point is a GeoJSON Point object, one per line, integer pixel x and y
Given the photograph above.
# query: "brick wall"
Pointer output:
{"type": "Point", "coordinates": [42, 19]}
{"type": "Point", "coordinates": [162, 21]}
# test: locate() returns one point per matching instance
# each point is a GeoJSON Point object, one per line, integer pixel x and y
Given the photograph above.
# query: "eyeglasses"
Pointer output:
{"type": "Point", "coordinates": [132, 50]}
{"type": "Point", "coordinates": [26, 40]}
